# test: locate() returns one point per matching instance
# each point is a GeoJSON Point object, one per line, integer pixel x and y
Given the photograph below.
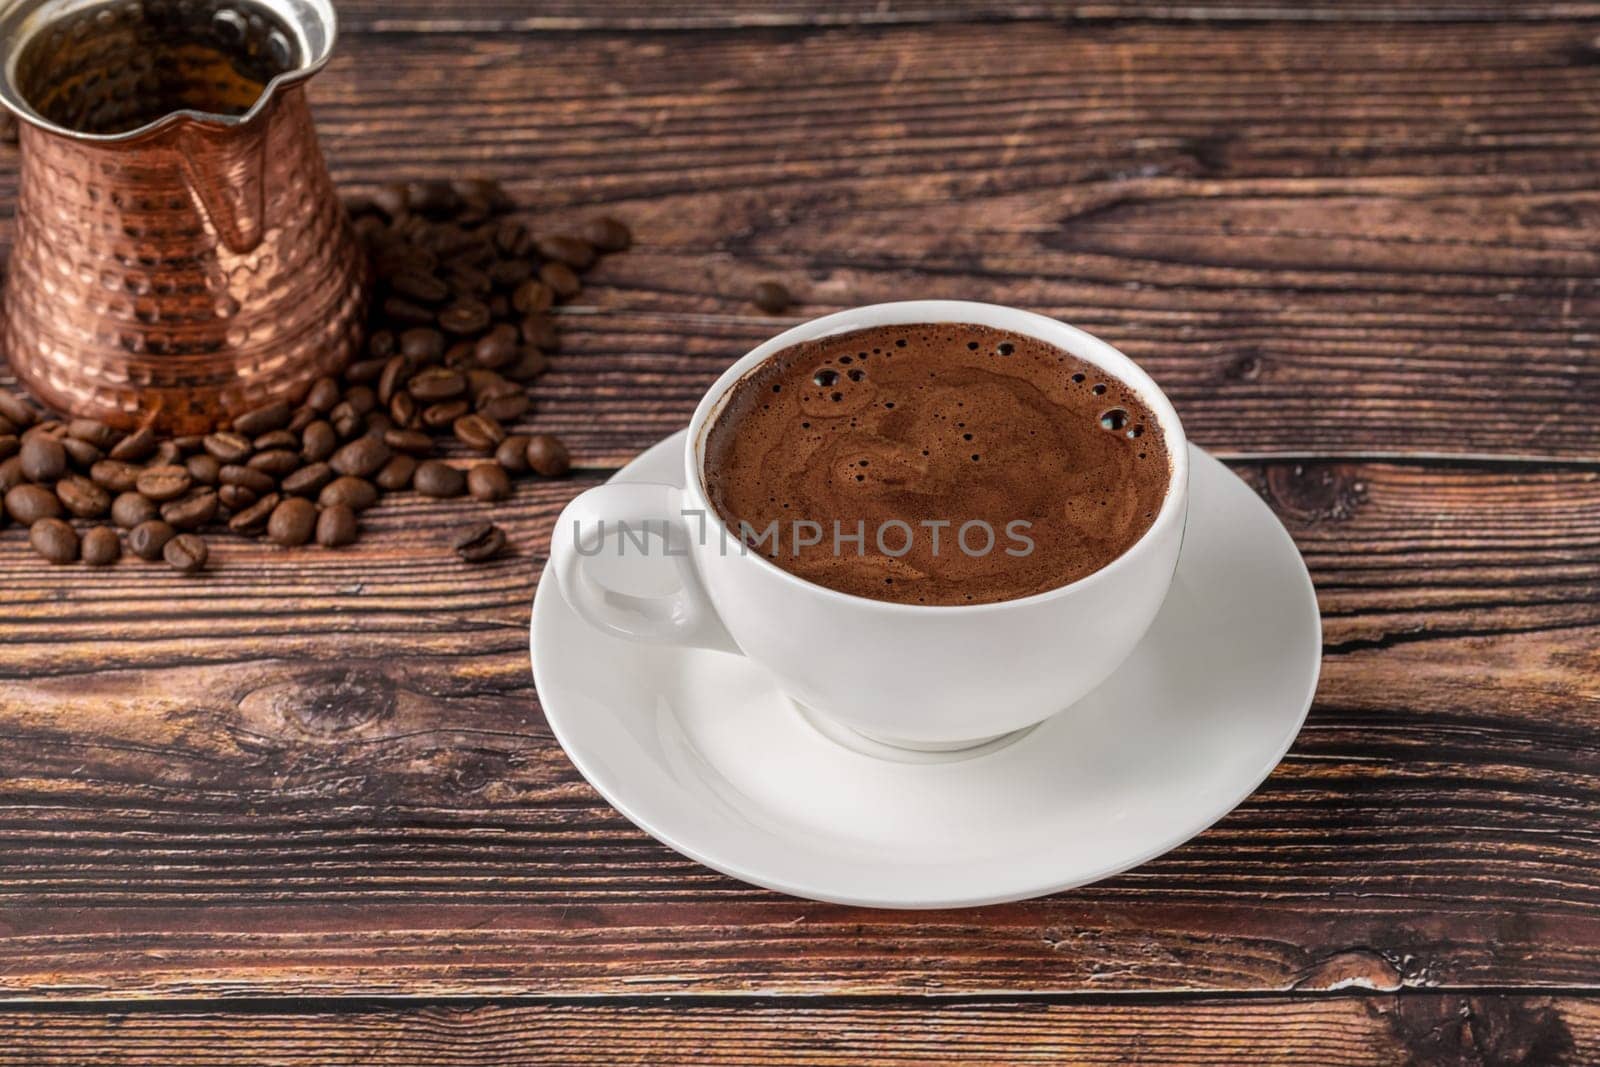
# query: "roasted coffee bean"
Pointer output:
{"type": "Point", "coordinates": [9, 428]}
{"type": "Point", "coordinates": [770, 297]}
{"type": "Point", "coordinates": [81, 454]}
{"type": "Point", "coordinates": [510, 273]}
{"type": "Point", "coordinates": [436, 478]}
{"type": "Point", "coordinates": [30, 503]}
{"type": "Point", "coordinates": [166, 454]}
{"type": "Point", "coordinates": [53, 428]}
{"type": "Point", "coordinates": [43, 458]}
{"type": "Point", "coordinates": [532, 296]}
{"type": "Point", "coordinates": [488, 482]}
{"type": "Point", "coordinates": [478, 431]}
{"type": "Point", "coordinates": [528, 366]}
{"type": "Point", "coordinates": [9, 444]}
{"type": "Point", "coordinates": [191, 512]}
{"type": "Point", "coordinates": [16, 410]}
{"type": "Point", "coordinates": [292, 521]}
{"type": "Point", "coordinates": [361, 398]}
{"type": "Point", "coordinates": [365, 371]}
{"type": "Point", "coordinates": [54, 540]}
{"type": "Point", "coordinates": [378, 422]}
{"type": "Point", "coordinates": [541, 332]}
{"type": "Point", "coordinates": [458, 357]}
{"type": "Point", "coordinates": [278, 462]}
{"type": "Point", "coordinates": [561, 279]}
{"type": "Point", "coordinates": [188, 444]}
{"type": "Point", "coordinates": [82, 497]}
{"type": "Point", "coordinates": [396, 474]}
{"type": "Point", "coordinates": [347, 423]}
{"type": "Point", "coordinates": [393, 378]}
{"type": "Point", "coordinates": [308, 480]}
{"type": "Point", "coordinates": [469, 282]}
{"type": "Point", "coordinates": [464, 317]}
{"type": "Point", "coordinates": [438, 416]}
{"type": "Point", "coordinates": [437, 383]}
{"type": "Point", "coordinates": [504, 402]}
{"type": "Point", "coordinates": [575, 252]}
{"type": "Point", "coordinates": [302, 417]}
{"type": "Point", "coordinates": [236, 497]}
{"type": "Point", "coordinates": [497, 347]}
{"type": "Point", "coordinates": [101, 546]}
{"type": "Point", "coordinates": [134, 447]}
{"type": "Point", "coordinates": [276, 439]}
{"type": "Point", "coordinates": [547, 455]}
{"type": "Point", "coordinates": [513, 239]}
{"type": "Point", "coordinates": [273, 416]}
{"type": "Point", "coordinates": [479, 379]}
{"type": "Point", "coordinates": [253, 519]}
{"type": "Point", "coordinates": [499, 306]}
{"type": "Point", "coordinates": [203, 468]}
{"type": "Point", "coordinates": [186, 553]}
{"type": "Point", "coordinates": [147, 539]}
{"type": "Point", "coordinates": [228, 447]}
{"type": "Point", "coordinates": [412, 441]}
{"type": "Point", "coordinates": [164, 483]}
{"type": "Point", "coordinates": [423, 288]}
{"type": "Point", "coordinates": [356, 493]}
{"type": "Point", "coordinates": [93, 431]}
{"type": "Point", "coordinates": [403, 409]}
{"type": "Point", "coordinates": [381, 345]}
{"type": "Point", "coordinates": [361, 458]}
{"type": "Point", "coordinates": [336, 526]}
{"type": "Point", "coordinates": [130, 509]}
{"type": "Point", "coordinates": [607, 234]}
{"type": "Point", "coordinates": [324, 394]}
{"type": "Point", "coordinates": [488, 190]}
{"type": "Point", "coordinates": [407, 312]}
{"type": "Point", "coordinates": [422, 345]}
{"type": "Point", "coordinates": [11, 474]}
{"type": "Point", "coordinates": [114, 475]}
{"type": "Point", "coordinates": [481, 542]}
{"type": "Point", "coordinates": [318, 442]}
{"type": "Point", "coordinates": [257, 482]}
{"type": "Point", "coordinates": [512, 453]}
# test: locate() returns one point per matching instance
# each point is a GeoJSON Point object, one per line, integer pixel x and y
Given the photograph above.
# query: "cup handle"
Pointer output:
{"type": "Point", "coordinates": [685, 617]}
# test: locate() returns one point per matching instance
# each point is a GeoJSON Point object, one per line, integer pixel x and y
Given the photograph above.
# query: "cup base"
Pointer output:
{"type": "Point", "coordinates": [899, 751]}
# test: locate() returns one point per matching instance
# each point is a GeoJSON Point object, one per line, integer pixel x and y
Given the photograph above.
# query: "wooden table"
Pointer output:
{"type": "Point", "coordinates": [305, 809]}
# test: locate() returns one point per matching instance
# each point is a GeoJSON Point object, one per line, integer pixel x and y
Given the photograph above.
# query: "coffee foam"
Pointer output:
{"type": "Point", "coordinates": [938, 423]}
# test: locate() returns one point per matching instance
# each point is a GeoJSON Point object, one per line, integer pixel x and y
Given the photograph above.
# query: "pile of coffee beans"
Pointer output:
{"type": "Point", "coordinates": [460, 325]}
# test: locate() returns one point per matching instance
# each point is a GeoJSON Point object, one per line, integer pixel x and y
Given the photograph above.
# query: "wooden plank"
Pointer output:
{"type": "Point", "coordinates": [1320, 241]}
{"type": "Point", "coordinates": [410, 16]}
{"type": "Point", "coordinates": [326, 772]}
{"type": "Point", "coordinates": [1332, 1032]}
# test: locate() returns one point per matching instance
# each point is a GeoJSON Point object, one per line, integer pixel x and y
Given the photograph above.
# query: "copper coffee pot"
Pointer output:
{"type": "Point", "coordinates": [180, 250]}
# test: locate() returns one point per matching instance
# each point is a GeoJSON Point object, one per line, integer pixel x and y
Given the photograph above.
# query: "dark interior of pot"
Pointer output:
{"type": "Point", "coordinates": [114, 67]}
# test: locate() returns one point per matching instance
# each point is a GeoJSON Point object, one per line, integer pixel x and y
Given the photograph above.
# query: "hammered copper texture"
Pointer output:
{"type": "Point", "coordinates": [200, 270]}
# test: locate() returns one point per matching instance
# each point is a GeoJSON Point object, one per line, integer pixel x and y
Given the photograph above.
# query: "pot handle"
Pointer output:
{"type": "Point", "coordinates": [225, 170]}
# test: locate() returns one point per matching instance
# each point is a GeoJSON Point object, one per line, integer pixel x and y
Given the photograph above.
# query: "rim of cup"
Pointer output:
{"type": "Point", "coordinates": [1078, 342]}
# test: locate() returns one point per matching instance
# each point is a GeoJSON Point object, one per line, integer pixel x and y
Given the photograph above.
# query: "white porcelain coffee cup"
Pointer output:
{"type": "Point", "coordinates": [911, 675]}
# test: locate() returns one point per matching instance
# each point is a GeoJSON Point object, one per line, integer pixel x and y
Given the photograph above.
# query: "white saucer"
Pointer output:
{"type": "Point", "coordinates": [701, 751]}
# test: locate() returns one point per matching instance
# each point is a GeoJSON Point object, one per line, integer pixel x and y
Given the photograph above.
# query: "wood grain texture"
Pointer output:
{"type": "Point", "coordinates": [326, 772]}
{"type": "Point", "coordinates": [1347, 252]}
{"type": "Point", "coordinates": [1331, 1032]}
{"type": "Point", "coordinates": [1320, 241]}
{"type": "Point", "coordinates": [665, 16]}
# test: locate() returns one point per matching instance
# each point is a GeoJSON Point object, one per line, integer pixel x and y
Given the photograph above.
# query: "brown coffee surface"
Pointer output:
{"type": "Point", "coordinates": [929, 424]}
